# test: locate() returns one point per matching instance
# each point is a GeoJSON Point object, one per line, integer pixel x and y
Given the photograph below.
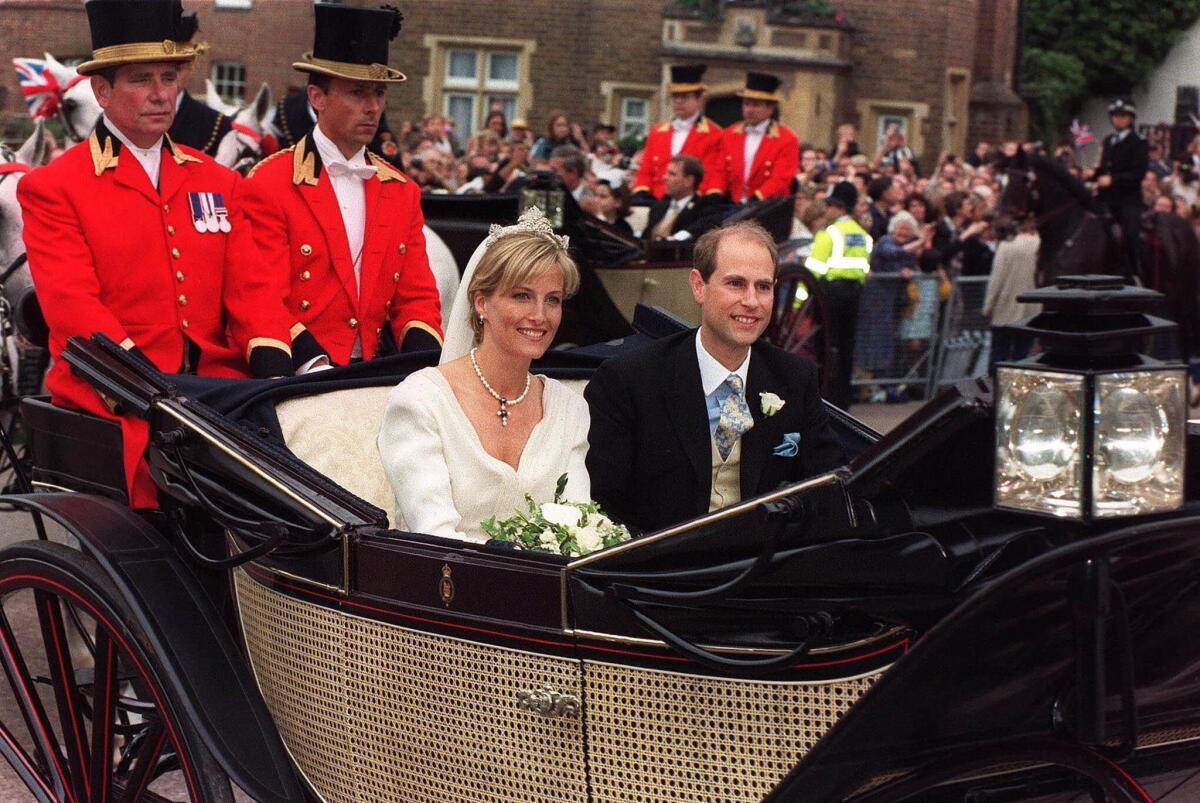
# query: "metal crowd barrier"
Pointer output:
{"type": "Point", "coordinates": [911, 341]}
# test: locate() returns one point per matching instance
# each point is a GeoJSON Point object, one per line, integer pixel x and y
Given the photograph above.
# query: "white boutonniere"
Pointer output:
{"type": "Point", "coordinates": [771, 404]}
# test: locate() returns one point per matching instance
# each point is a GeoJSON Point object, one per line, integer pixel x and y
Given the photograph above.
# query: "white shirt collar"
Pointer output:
{"type": "Point", "coordinates": [179, 100]}
{"type": "Point", "coordinates": [712, 373]}
{"type": "Point", "coordinates": [685, 124]}
{"type": "Point", "coordinates": [331, 154]}
{"type": "Point", "coordinates": [682, 202]}
{"type": "Point", "coordinates": [761, 128]}
{"type": "Point", "coordinates": [149, 158]}
{"type": "Point", "coordinates": [311, 111]}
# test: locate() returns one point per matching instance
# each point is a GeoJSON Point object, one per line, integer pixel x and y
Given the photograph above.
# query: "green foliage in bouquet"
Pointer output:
{"type": "Point", "coordinates": [568, 528]}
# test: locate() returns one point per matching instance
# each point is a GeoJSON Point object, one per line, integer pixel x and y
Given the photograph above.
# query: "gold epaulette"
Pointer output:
{"type": "Point", "coordinates": [262, 162]}
{"type": "Point", "coordinates": [386, 171]}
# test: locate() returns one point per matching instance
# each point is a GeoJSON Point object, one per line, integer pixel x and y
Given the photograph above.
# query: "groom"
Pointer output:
{"type": "Point", "coordinates": [703, 419]}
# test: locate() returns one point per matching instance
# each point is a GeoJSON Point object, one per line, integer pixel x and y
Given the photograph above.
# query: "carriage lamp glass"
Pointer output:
{"type": "Point", "coordinates": [547, 196]}
{"type": "Point", "coordinates": [1091, 428]}
{"type": "Point", "coordinates": [1139, 442]}
{"type": "Point", "coordinates": [1039, 438]}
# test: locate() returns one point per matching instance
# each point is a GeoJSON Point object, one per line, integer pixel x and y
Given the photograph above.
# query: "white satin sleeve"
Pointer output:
{"type": "Point", "coordinates": [577, 420]}
{"type": "Point", "coordinates": [412, 449]}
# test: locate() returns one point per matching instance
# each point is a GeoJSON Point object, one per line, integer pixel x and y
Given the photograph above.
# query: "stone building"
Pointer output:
{"type": "Point", "coordinates": [940, 69]}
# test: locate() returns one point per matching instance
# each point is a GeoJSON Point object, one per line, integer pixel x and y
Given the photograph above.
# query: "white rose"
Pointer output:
{"type": "Point", "coordinates": [771, 403]}
{"type": "Point", "coordinates": [589, 538]}
{"type": "Point", "coordinates": [565, 515]}
{"type": "Point", "coordinates": [548, 540]}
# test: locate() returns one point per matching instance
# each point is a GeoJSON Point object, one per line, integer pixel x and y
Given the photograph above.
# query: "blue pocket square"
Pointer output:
{"type": "Point", "coordinates": [790, 447]}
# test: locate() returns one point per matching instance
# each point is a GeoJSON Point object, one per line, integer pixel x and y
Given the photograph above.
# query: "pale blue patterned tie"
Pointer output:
{"type": "Point", "coordinates": [735, 418]}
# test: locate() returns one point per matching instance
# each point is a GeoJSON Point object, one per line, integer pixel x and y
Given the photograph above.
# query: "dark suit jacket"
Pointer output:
{"type": "Point", "coordinates": [650, 450]}
{"type": "Point", "coordinates": [701, 214]}
{"type": "Point", "coordinates": [1127, 162]}
{"type": "Point", "coordinates": [199, 126]}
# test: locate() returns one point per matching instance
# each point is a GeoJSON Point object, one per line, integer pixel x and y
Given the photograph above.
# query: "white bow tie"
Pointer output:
{"type": "Point", "coordinates": [364, 172]}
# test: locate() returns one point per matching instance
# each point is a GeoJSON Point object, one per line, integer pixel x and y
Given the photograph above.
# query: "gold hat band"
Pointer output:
{"type": "Point", "coordinates": [754, 94]}
{"type": "Point", "coordinates": [675, 89]}
{"type": "Point", "coordinates": [138, 52]}
{"type": "Point", "coordinates": [345, 69]}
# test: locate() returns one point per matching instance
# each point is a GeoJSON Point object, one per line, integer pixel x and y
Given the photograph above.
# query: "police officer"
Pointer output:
{"type": "Point", "coordinates": [841, 256]}
{"type": "Point", "coordinates": [133, 236]}
{"type": "Point", "coordinates": [1124, 160]}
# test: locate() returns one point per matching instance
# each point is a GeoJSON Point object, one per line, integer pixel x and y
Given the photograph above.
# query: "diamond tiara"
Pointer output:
{"type": "Point", "coordinates": [533, 220]}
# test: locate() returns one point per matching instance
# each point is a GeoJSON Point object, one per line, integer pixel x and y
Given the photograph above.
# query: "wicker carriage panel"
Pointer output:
{"type": "Point", "coordinates": [665, 736]}
{"type": "Point", "coordinates": [419, 717]}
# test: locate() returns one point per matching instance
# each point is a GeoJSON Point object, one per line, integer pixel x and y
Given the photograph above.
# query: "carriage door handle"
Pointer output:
{"type": "Point", "coordinates": [549, 703]}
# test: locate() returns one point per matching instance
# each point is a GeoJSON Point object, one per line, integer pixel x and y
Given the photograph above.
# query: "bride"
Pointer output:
{"type": "Point", "coordinates": [467, 440]}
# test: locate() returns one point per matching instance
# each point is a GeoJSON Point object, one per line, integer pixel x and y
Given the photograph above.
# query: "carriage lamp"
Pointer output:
{"type": "Point", "coordinates": [546, 193]}
{"type": "Point", "coordinates": [1090, 428]}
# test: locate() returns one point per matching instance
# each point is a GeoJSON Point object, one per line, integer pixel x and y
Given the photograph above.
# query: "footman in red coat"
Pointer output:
{"type": "Point", "coordinates": [688, 132]}
{"type": "Point", "coordinates": [339, 226]}
{"type": "Point", "coordinates": [759, 157]}
{"type": "Point", "coordinates": [134, 236]}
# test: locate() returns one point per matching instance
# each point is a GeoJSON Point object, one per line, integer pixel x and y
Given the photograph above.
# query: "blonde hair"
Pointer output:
{"type": "Point", "coordinates": [514, 259]}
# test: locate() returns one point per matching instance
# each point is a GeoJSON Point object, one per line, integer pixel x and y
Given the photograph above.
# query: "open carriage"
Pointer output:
{"type": "Point", "coordinates": [905, 628]}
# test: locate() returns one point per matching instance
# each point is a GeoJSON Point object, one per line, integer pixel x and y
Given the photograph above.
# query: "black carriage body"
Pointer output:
{"type": "Point", "coordinates": [879, 626]}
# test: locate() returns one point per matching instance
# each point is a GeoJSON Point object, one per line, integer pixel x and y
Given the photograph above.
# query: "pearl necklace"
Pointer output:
{"type": "Point", "coordinates": [503, 411]}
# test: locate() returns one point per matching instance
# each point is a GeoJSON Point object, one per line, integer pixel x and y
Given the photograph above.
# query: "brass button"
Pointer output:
{"type": "Point", "coordinates": [182, 300]}
{"type": "Point", "coordinates": [379, 330]}
{"type": "Point", "coordinates": [306, 249]}
{"type": "Point", "coordinates": [166, 207]}
{"type": "Point", "coordinates": [170, 229]}
{"type": "Point", "coordinates": [305, 276]}
{"type": "Point", "coordinates": [305, 305]}
{"type": "Point", "coordinates": [179, 276]}
{"type": "Point", "coordinates": [402, 248]}
{"type": "Point", "coordinates": [184, 323]}
{"type": "Point", "coordinates": [395, 277]}
{"type": "Point", "coordinates": [175, 253]}
{"type": "Point", "coordinates": [353, 323]}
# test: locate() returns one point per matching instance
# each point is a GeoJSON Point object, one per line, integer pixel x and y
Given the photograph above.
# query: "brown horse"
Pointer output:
{"type": "Point", "coordinates": [1075, 229]}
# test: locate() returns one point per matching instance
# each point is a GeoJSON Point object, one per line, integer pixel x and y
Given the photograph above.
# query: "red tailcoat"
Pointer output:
{"type": "Point", "coordinates": [774, 167]}
{"type": "Point", "coordinates": [703, 142]}
{"type": "Point", "coordinates": [110, 253]}
{"type": "Point", "coordinates": [299, 229]}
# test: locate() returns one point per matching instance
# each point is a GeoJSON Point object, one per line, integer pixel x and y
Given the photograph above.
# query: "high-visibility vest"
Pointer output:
{"type": "Point", "coordinates": [841, 250]}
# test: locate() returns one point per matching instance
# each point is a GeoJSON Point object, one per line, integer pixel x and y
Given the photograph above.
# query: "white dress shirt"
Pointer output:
{"type": "Point", "coordinates": [149, 158]}
{"type": "Point", "coordinates": [352, 201]}
{"type": "Point", "coordinates": [712, 380]}
{"type": "Point", "coordinates": [754, 135]}
{"type": "Point", "coordinates": [679, 132]}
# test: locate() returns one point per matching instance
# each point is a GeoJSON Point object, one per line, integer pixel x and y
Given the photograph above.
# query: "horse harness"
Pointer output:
{"type": "Point", "coordinates": [1046, 217]}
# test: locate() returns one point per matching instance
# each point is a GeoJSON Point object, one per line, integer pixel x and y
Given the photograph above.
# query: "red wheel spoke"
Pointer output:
{"type": "Point", "coordinates": [104, 694]}
{"type": "Point", "coordinates": [66, 693]}
{"type": "Point", "coordinates": [142, 771]}
{"type": "Point", "coordinates": [32, 710]}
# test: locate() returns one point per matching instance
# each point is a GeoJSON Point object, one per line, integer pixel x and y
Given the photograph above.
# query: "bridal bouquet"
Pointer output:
{"type": "Point", "coordinates": [568, 528]}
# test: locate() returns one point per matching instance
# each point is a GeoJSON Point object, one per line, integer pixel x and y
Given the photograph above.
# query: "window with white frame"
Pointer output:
{"type": "Point", "coordinates": [229, 77]}
{"type": "Point", "coordinates": [475, 81]}
{"type": "Point", "coordinates": [635, 117]}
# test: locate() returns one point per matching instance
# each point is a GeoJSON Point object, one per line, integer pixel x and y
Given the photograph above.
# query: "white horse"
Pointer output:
{"type": "Point", "coordinates": [16, 283]}
{"type": "Point", "coordinates": [78, 109]}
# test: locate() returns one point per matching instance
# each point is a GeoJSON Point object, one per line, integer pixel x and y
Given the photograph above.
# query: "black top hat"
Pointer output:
{"type": "Point", "coordinates": [1122, 106]}
{"type": "Point", "coordinates": [761, 86]}
{"type": "Point", "coordinates": [603, 126]}
{"type": "Point", "coordinates": [843, 194]}
{"type": "Point", "coordinates": [352, 43]}
{"type": "Point", "coordinates": [687, 78]}
{"type": "Point", "coordinates": [137, 32]}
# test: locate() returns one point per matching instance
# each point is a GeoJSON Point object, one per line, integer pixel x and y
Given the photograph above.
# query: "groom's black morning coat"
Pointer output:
{"type": "Point", "coordinates": [650, 450]}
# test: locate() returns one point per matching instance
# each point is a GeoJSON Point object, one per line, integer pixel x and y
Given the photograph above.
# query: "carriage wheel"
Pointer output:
{"type": "Point", "coordinates": [87, 716]}
{"type": "Point", "coordinates": [800, 321]}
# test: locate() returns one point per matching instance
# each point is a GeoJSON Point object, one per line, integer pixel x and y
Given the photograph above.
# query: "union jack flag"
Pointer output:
{"type": "Point", "coordinates": [1080, 134]}
{"type": "Point", "coordinates": [41, 89]}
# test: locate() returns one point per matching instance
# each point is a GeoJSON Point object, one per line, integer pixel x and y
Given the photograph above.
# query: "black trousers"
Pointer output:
{"type": "Point", "coordinates": [1129, 217]}
{"type": "Point", "coordinates": [842, 295]}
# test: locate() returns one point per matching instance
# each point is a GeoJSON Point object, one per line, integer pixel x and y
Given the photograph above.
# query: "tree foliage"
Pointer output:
{"type": "Point", "coordinates": [1076, 49]}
